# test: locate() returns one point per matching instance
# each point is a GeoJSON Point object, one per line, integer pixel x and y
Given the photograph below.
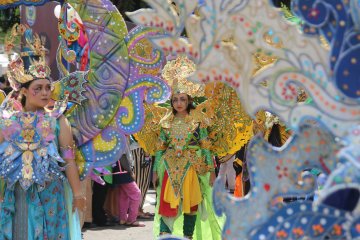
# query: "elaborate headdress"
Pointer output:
{"type": "Point", "coordinates": [30, 64]}
{"type": "Point", "coordinates": [175, 73]}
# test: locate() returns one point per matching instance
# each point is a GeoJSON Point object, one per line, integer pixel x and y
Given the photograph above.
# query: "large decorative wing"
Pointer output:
{"type": "Point", "coordinates": [230, 126]}
{"type": "Point", "coordinates": [100, 90]}
{"type": "Point", "coordinates": [147, 62]}
{"type": "Point", "coordinates": [148, 136]}
{"type": "Point", "coordinates": [274, 172]}
{"type": "Point", "coordinates": [109, 67]}
{"type": "Point", "coordinates": [109, 98]}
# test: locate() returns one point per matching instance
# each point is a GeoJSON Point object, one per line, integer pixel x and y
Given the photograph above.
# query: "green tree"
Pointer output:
{"type": "Point", "coordinates": [8, 17]}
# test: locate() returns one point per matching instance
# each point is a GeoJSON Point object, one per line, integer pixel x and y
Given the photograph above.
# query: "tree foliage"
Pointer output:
{"type": "Point", "coordinates": [8, 17]}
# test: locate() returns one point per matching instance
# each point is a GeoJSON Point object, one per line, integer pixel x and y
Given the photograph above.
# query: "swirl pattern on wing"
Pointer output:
{"type": "Point", "coordinates": [301, 71]}
{"type": "Point", "coordinates": [299, 221]}
{"type": "Point", "coordinates": [337, 22]}
{"type": "Point", "coordinates": [143, 84]}
{"type": "Point", "coordinates": [109, 68]}
{"type": "Point", "coordinates": [274, 172]}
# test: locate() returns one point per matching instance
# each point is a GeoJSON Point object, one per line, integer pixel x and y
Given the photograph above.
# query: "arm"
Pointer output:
{"type": "Point", "coordinates": [67, 151]}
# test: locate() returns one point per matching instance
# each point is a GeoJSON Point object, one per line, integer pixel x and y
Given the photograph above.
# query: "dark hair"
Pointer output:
{"type": "Point", "coordinates": [275, 136]}
{"type": "Point", "coordinates": [23, 98]}
{"type": "Point", "coordinates": [190, 105]}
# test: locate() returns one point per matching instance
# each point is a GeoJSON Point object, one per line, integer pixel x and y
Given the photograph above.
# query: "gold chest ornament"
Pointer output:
{"type": "Point", "coordinates": [179, 132]}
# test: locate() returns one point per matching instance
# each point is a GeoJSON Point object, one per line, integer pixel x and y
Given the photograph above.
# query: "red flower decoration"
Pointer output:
{"type": "Point", "coordinates": [318, 229]}
{"type": "Point", "coordinates": [337, 230]}
{"type": "Point", "coordinates": [298, 232]}
{"type": "Point", "coordinates": [281, 234]}
{"type": "Point", "coordinates": [289, 92]}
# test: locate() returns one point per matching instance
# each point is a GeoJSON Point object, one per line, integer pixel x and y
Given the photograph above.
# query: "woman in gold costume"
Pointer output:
{"type": "Point", "coordinates": [185, 166]}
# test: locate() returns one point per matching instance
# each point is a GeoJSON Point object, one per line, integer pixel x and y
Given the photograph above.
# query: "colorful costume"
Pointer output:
{"type": "Point", "coordinates": [183, 163]}
{"type": "Point", "coordinates": [37, 197]}
{"type": "Point", "coordinates": [184, 155]}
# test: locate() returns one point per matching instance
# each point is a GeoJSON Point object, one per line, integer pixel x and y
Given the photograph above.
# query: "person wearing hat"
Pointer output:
{"type": "Point", "coordinates": [184, 165]}
{"type": "Point", "coordinates": [40, 182]}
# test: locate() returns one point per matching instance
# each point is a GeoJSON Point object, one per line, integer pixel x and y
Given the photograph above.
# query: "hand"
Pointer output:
{"type": "Point", "coordinates": [79, 203]}
{"type": "Point", "coordinates": [155, 179]}
{"type": "Point", "coordinates": [146, 162]}
{"type": "Point", "coordinates": [212, 178]}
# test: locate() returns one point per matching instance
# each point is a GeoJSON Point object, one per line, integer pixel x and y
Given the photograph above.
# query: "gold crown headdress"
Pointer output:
{"type": "Point", "coordinates": [18, 73]}
{"type": "Point", "coordinates": [175, 73]}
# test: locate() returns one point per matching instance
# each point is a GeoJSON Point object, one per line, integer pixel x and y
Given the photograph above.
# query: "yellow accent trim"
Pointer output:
{"type": "Point", "coordinates": [104, 146]}
{"type": "Point", "coordinates": [126, 102]}
{"type": "Point", "coordinates": [80, 161]}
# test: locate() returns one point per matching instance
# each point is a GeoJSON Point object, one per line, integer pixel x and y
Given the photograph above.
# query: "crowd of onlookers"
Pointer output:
{"type": "Point", "coordinates": [120, 198]}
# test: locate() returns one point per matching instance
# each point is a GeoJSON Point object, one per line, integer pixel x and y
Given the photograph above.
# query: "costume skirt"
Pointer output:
{"type": "Point", "coordinates": [208, 225]}
{"type": "Point", "coordinates": [33, 214]}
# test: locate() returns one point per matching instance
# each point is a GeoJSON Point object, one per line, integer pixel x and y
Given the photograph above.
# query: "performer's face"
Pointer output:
{"type": "Point", "coordinates": [38, 94]}
{"type": "Point", "coordinates": [180, 102]}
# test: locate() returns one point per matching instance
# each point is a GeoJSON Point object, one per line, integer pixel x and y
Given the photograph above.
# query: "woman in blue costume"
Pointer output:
{"type": "Point", "coordinates": [39, 201]}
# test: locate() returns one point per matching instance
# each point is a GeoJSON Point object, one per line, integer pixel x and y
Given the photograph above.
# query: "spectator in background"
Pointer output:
{"type": "Point", "coordinates": [4, 84]}
{"type": "Point", "coordinates": [129, 194]}
{"type": "Point", "coordinates": [142, 169]}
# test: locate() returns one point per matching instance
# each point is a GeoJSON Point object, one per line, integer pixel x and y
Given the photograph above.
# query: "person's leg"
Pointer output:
{"type": "Point", "coordinates": [134, 195]}
{"type": "Point", "coordinates": [111, 205]}
{"type": "Point", "coordinates": [88, 187]}
{"type": "Point", "coordinates": [141, 174]}
{"type": "Point", "coordinates": [88, 217]}
{"type": "Point", "coordinates": [164, 229]}
{"type": "Point", "coordinates": [98, 199]}
{"type": "Point", "coordinates": [123, 204]}
{"type": "Point", "coordinates": [189, 225]}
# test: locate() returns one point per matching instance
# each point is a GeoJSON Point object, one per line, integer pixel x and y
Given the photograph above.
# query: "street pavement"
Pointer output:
{"type": "Point", "coordinates": [126, 233]}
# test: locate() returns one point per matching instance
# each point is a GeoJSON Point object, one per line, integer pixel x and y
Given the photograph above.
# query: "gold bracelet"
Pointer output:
{"type": "Point", "coordinates": [79, 197]}
{"type": "Point", "coordinates": [71, 164]}
{"type": "Point", "coordinates": [68, 147]}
